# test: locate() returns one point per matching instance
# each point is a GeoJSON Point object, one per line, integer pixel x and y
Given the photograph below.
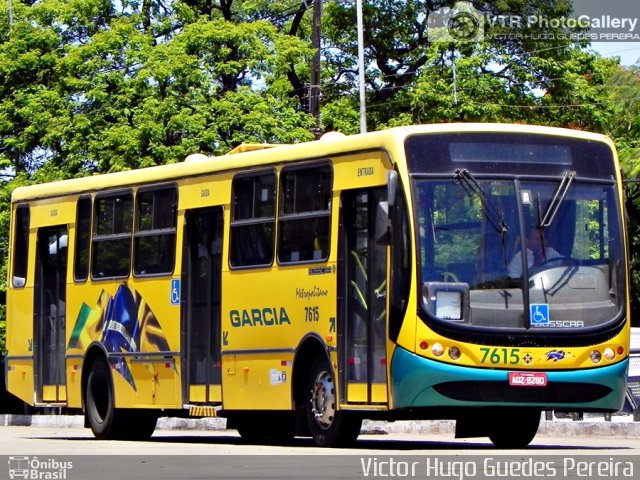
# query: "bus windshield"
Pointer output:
{"type": "Point", "coordinates": [473, 228]}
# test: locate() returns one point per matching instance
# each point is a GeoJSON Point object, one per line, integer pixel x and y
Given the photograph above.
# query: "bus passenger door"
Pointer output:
{"type": "Point", "coordinates": [363, 297]}
{"type": "Point", "coordinates": [49, 314]}
{"type": "Point", "coordinates": [202, 262]}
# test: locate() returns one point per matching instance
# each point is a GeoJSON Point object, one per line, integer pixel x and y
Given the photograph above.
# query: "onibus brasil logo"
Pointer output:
{"type": "Point", "coordinates": [38, 469]}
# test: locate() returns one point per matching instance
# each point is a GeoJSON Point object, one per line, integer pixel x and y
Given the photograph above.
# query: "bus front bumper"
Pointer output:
{"type": "Point", "coordinates": [421, 382]}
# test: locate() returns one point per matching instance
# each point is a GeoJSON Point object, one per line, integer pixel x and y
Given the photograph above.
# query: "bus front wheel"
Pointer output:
{"type": "Point", "coordinates": [329, 426]}
{"type": "Point", "coordinates": [514, 428]}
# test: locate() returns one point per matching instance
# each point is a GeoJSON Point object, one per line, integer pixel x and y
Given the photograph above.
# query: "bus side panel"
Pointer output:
{"type": "Point", "coordinates": [149, 379]}
{"type": "Point", "coordinates": [157, 384]}
{"type": "Point", "coordinates": [266, 314]}
{"type": "Point", "coordinates": [204, 192]}
{"type": "Point", "coordinates": [86, 304]}
{"type": "Point", "coordinates": [360, 170]}
{"type": "Point", "coordinates": [157, 376]}
{"type": "Point", "coordinates": [20, 359]}
{"type": "Point", "coordinates": [74, 381]}
{"type": "Point", "coordinates": [257, 382]}
{"type": "Point", "coordinates": [20, 378]}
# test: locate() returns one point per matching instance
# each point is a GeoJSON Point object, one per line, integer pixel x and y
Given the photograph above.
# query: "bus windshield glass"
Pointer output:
{"type": "Point", "coordinates": [475, 221]}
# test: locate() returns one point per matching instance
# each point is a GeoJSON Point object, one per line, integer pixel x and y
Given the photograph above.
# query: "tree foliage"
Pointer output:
{"type": "Point", "coordinates": [532, 78]}
{"type": "Point", "coordinates": [624, 97]}
{"type": "Point", "coordinates": [94, 86]}
{"type": "Point", "coordinates": [98, 90]}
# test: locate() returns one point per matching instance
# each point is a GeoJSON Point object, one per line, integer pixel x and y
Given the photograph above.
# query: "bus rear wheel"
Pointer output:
{"type": "Point", "coordinates": [514, 428]}
{"type": "Point", "coordinates": [329, 426]}
{"type": "Point", "coordinates": [99, 402]}
{"type": "Point", "coordinates": [106, 421]}
{"type": "Point", "coordinates": [137, 424]}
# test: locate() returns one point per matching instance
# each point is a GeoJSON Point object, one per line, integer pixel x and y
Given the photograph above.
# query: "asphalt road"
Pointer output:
{"type": "Point", "coordinates": [70, 453]}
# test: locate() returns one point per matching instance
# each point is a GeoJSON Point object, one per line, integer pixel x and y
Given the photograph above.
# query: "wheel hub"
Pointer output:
{"type": "Point", "coordinates": [323, 400]}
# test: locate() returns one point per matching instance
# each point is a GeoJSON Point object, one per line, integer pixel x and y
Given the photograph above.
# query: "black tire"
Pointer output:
{"type": "Point", "coordinates": [515, 428]}
{"type": "Point", "coordinates": [107, 422]}
{"type": "Point", "coordinates": [99, 403]}
{"type": "Point", "coordinates": [136, 424]}
{"type": "Point", "coordinates": [328, 426]}
{"type": "Point", "coordinates": [252, 433]}
{"type": "Point", "coordinates": [267, 428]}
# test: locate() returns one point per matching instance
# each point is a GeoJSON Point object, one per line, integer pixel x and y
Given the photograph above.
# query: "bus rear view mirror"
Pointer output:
{"type": "Point", "coordinates": [447, 301]}
{"type": "Point", "coordinates": [383, 224]}
{"type": "Point", "coordinates": [392, 189]}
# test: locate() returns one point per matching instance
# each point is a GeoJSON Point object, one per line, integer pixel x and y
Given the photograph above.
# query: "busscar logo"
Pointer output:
{"type": "Point", "coordinates": [38, 469]}
{"type": "Point", "coordinates": [461, 23]}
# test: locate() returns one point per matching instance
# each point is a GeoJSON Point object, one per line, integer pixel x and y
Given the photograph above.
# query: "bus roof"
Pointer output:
{"type": "Point", "coordinates": [252, 155]}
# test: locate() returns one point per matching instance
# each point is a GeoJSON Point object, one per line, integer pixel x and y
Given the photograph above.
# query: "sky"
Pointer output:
{"type": "Point", "coordinates": [629, 52]}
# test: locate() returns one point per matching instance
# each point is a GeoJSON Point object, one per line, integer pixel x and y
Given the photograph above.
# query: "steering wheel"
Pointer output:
{"type": "Point", "coordinates": [450, 277]}
{"type": "Point", "coordinates": [563, 261]}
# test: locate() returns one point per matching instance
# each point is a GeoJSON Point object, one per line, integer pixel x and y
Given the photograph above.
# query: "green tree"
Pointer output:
{"type": "Point", "coordinates": [95, 86]}
{"type": "Point", "coordinates": [410, 79]}
{"type": "Point", "coordinates": [624, 96]}
{"type": "Point", "coordinates": [92, 86]}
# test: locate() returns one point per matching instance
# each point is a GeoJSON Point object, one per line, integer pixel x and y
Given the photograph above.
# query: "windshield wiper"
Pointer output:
{"type": "Point", "coordinates": [493, 213]}
{"type": "Point", "coordinates": [556, 200]}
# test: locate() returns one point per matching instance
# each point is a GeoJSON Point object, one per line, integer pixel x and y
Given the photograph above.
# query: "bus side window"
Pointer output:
{"type": "Point", "coordinates": [305, 214]}
{"type": "Point", "coordinates": [252, 220]}
{"type": "Point", "coordinates": [111, 244]}
{"type": "Point", "coordinates": [155, 233]}
{"type": "Point", "coordinates": [83, 240]}
{"type": "Point", "coordinates": [21, 246]}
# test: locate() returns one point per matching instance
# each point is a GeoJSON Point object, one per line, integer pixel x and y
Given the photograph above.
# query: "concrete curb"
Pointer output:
{"type": "Point", "coordinates": [553, 428]}
{"type": "Point", "coordinates": [619, 426]}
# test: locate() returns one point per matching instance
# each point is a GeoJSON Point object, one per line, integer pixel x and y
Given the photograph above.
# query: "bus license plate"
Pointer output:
{"type": "Point", "coordinates": [528, 379]}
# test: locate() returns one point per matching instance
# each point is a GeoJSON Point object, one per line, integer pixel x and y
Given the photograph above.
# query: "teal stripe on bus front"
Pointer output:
{"type": "Point", "coordinates": [413, 379]}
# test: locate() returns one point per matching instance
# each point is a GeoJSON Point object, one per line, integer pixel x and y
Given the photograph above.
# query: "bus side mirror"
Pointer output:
{"type": "Point", "coordinates": [383, 224]}
{"type": "Point", "coordinates": [392, 189]}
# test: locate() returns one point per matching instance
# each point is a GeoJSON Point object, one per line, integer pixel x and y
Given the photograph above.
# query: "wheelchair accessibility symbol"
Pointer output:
{"type": "Point", "coordinates": [539, 313]}
{"type": "Point", "coordinates": [175, 291]}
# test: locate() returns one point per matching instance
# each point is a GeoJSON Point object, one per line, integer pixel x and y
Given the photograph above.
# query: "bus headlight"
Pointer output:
{"type": "Point", "coordinates": [609, 353]}
{"type": "Point", "coordinates": [437, 349]}
{"type": "Point", "coordinates": [454, 353]}
{"type": "Point", "coordinates": [596, 356]}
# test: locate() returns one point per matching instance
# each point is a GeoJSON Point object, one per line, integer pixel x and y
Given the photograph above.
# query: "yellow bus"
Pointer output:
{"type": "Point", "coordinates": [298, 289]}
